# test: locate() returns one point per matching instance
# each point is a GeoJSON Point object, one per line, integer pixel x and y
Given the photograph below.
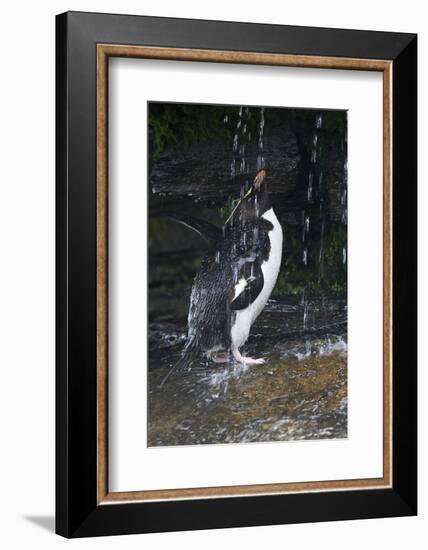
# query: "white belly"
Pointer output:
{"type": "Point", "coordinates": [245, 318]}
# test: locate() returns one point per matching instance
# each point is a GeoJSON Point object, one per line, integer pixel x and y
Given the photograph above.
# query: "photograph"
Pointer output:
{"type": "Point", "coordinates": [247, 274]}
{"type": "Point", "coordinates": [213, 260]}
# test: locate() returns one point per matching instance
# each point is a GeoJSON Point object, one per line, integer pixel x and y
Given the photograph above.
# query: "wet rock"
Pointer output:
{"type": "Point", "coordinates": [289, 398]}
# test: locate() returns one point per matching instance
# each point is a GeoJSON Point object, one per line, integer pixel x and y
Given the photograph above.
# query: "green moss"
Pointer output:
{"type": "Point", "coordinates": [183, 124]}
{"type": "Point", "coordinates": [319, 276]}
{"type": "Point", "coordinates": [173, 123]}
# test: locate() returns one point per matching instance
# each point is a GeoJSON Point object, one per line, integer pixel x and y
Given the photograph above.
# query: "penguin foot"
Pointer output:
{"type": "Point", "coordinates": [219, 356]}
{"type": "Point", "coordinates": [247, 360]}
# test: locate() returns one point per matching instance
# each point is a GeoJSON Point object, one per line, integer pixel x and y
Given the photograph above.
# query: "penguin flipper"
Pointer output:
{"type": "Point", "coordinates": [248, 288]}
{"type": "Point", "coordinates": [207, 230]}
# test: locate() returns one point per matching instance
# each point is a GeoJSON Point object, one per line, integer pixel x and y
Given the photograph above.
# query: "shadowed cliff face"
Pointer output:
{"type": "Point", "coordinates": [201, 159]}
{"type": "Point", "coordinates": [201, 172]}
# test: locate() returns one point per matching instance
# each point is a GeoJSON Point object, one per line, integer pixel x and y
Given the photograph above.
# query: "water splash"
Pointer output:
{"type": "Point", "coordinates": [318, 348]}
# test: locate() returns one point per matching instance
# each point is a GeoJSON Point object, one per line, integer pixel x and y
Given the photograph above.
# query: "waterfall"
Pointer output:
{"type": "Point", "coordinates": [344, 199]}
{"type": "Point", "coordinates": [320, 253]}
{"type": "Point", "coordinates": [315, 153]}
{"type": "Point", "coordinates": [240, 165]}
{"type": "Point", "coordinates": [260, 158]}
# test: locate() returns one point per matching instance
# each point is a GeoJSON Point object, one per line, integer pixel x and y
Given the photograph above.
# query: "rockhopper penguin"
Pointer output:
{"type": "Point", "coordinates": [235, 280]}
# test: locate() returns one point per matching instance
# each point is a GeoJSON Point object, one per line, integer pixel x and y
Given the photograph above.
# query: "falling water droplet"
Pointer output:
{"type": "Point", "coordinates": [305, 256]}
{"type": "Point", "coordinates": [320, 265]}
{"type": "Point", "coordinates": [256, 234]}
{"type": "Point", "coordinates": [235, 274]}
{"type": "Point", "coordinates": [310, 184]}
{"type": "Point", "coordinates": [235, 142]}
{"type": "Point", "coordinates": [313, 156]}
{"type": "Point", "coordinates": [226, 119]}
{"type": "Point", "coordinates": [321, 243]}
{"type": "Point", "coordinates": [344, 255]}
{"type": "Point", "coordinates": [261, 128]}
{"type": "Point", "coordinates": [305, 315]}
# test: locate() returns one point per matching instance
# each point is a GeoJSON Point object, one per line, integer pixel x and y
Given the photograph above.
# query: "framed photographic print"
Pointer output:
{"type": "Point", "coordinates": [236, 274]}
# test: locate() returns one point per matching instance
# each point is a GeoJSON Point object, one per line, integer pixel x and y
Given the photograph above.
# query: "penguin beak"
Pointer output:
{"type": "Point", "coordinates": [258, 180]}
